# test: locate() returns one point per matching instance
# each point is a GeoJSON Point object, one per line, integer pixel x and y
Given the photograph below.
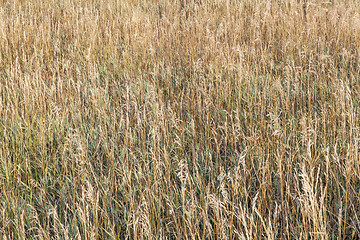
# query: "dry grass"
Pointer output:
{"type": "Point", "coordinates": [179, 119]}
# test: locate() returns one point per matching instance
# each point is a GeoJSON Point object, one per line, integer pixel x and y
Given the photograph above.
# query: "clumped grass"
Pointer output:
{"type": "Point", "coordinates": [179, 119]}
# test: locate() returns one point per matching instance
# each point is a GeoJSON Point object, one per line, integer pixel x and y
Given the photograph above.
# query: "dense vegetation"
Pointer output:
{"type": "Point", "coordinates": [179, 119]}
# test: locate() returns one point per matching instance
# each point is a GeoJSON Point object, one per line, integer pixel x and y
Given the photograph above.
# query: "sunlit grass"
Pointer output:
{"type": "Point", "coordinates": [179, 119]}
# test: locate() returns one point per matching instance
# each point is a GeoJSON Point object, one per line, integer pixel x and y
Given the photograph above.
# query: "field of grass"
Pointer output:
{"type": "Point", "coordinates": [179, 119]}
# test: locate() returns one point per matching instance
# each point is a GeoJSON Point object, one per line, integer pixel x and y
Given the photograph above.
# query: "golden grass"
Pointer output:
{"type": "Point", "coordinates": [179, 119]}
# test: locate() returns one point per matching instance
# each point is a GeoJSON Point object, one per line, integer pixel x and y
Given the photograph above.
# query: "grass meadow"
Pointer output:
{"type": "Point", "coordinates": [179, 119]}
